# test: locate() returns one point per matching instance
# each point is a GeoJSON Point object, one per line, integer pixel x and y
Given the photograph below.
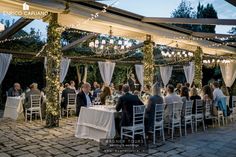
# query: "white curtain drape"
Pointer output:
{"type": "Point", "coordinates": [65, 63]}
{"type": "Point", "coordinates": [106, 71]}
{"type": "Point", "coordinates": [139, 69]}
{"type": "Point", "coordinates": [64, 66]}
{"type": "Point", "coordinates": [189, 72]}
{"type": "Point", "coordinates": [166, 72]}
{"type": "Point", "coordinates": [228, 72]}
{"type": "Point", "coordinates": [5, 60]}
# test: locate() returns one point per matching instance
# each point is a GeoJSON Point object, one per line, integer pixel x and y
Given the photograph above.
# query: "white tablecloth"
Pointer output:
{"type": "Point", "coordinates": [13, 108]}
{"type": "Point", "coordinates": [96, 123]}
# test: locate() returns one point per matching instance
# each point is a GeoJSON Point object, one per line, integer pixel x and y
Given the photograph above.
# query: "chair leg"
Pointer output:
{"type": "Point", "coordinates": [196, 125]}
{"type": "Point", "coordinates": [180, 130]}
{"type": "Point", "coordinates": [144, 139]}
{"type": "Point", "coordinates": [192, 125]}
{"type": "Point", "coordinates": [67, 113]}
{"type": "Point", "coordinates": [163, 133]}
{"type": "Point", "coordinates": [203, 124]}
{"type": "Point", "coordinates": [25, 115]}
{"type": "Point", "coordinates": [223, 119]}
{"type": "Point", "coordinates": [185, 130]}
{"type": "Point", "coordinates": [40, 114]}
{"type": "Point", "coordinates": [154, 136]}
{"type": "Point", "coordinates": [173, 129]}
{"type": "Point", "coordinates": [31, 116]}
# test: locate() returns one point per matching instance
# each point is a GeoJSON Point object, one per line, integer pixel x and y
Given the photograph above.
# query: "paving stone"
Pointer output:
{"type": "Point", "coordinates": [54, 151]}
{"type": "Point", "coordinates": [63, 155]}
{"type": "Point", "coordinates": [4, 155]}
{"type": "Point", "coordinates": [28, 155]}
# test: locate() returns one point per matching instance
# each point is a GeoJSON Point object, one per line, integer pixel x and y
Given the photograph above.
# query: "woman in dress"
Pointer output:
{"type": "Point", "coordinates": [105, 94]}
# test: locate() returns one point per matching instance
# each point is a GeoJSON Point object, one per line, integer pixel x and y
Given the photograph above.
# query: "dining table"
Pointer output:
{"type": "Point", "coordinates": [96, 122]}
{"type": "Point", "coordinates": [14, 108]}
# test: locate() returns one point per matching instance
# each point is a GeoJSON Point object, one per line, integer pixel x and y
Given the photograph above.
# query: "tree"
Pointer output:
{"type": "Point", "coordinates": [184, 10]}
{"type": "Point", "coordinates": [206, 12]}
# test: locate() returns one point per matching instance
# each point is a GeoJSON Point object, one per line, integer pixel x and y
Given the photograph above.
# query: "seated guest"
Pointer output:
{"type": "Point", "coordinates": [187, 85]}
{"type": "Point", "coordinates": [15, 90]}
{"type": "Point", "coordinates": [126, 103]}
{"type": "Point", "coordinates": [146, 90]}
{"type": "Point", "coordinates": [170, 99]}
{"type": "Point", "coordinates": [217, 93]}
{"type": "Point", "coordinates": [72, 85]}
{"type": "Point", "coordinates": [194, 96]}
{"type": "Point", "coordinates": [84, 97]}
{"type": "Point", "coordinates": [97, 90]}
{"type": "Point", "coordinates": [105, 94]}
{"type": "Point", "coordinates": [150, 110]}
{"type": "Point", "coordinates": [64, 95]}
{"type": "Point", "coordinates": [33, 91]}
{"type": "Point", "coordinates": [131, 82]}
{"type": "Point", "coordinates": [185, 97]}
{"type": "Point", "coordinates": [178, 87]}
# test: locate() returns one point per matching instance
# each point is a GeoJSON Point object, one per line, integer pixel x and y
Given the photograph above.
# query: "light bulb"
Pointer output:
{"type": "Point", "coordinates": [120, 42]}
{"type": "Point", "coordinates": [111, 41]}
{"type": "Point", "coordinates": [96, 42]}
{"type": "Point", "coordinates": [103, 42]}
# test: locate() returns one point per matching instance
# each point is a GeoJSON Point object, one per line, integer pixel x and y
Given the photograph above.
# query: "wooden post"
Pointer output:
{"type": "Point", "coordinates": [54, 54]}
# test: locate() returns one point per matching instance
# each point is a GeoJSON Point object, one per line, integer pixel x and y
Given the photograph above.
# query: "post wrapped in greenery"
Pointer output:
{"type": "Point", "coordinates": [54, 54]}
{"type": "Point", "coordinates": [148, 61]}
{"type": "Point", "coordinates": [198, 67]}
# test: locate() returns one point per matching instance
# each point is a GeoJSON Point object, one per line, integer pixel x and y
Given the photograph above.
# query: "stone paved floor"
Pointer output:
{"type": "Point", "coordinates": [32, 139]}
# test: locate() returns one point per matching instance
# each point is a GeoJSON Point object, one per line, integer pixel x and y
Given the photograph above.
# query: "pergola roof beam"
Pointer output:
{"type": "Point", "coordinates": [201, 21]}
{"type": "Point", "coordinates": [18, 25]}
{"type": "Point", "coordinates": [78, 41]}
{"type": "Point", "coordinates": [233, 2]}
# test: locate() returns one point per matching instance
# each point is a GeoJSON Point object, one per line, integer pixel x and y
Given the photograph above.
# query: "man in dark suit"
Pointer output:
{"type": "Point", "coordinates": [126, 103]}
{"type": "Point", "coordinates": [84, 98]}
{"type": "Point", "coordinates": [64, 95]}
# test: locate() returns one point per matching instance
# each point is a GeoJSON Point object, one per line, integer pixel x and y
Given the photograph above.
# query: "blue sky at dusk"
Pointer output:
{"type": "Point", "coordinates": [154, 8]}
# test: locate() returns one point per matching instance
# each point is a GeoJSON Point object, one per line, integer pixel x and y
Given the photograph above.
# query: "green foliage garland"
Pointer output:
{"type": "Point", "coordinates": [54, 54]}
{"type": "Point", "coordinates": [198, 67]}
{"type": "Point", "coordinates": [148, 62]}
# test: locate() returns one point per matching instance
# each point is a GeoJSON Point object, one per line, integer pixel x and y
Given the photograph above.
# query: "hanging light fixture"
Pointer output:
{"type": "Point", "coordinates": [110, 45]}
{"type": "Point", "coordinates": [2, 27]}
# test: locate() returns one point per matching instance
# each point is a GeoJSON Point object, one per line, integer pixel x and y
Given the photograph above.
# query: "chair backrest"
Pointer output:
{"type": "Point", "coordinates": [199, 106]}
{"type": "Point", "coordinates": [71, 99]}
{"type": "Point", "coordinates": [188, 108]}
{"type": "Point", "coordinates": [159, 113]}
{"type": "Point", "coordinates": [176, 110]}
{"type": "Point", "coordinates": [138, 115]}
{"type": "Point", "coordinates": [208, 108]}
{"type": "Point", "coordinates": [35, 101]}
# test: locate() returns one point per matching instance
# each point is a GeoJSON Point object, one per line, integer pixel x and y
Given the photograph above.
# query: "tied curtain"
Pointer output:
{"type": "Point", "coordinates": [139, 69]}
{"type": "Point", "coordinates": [65, 63]}
{"type": "Point", "coordinates": [228, 72]}
{"type": "Point", "coordinates": [166, 72]}
{"type": "Point", "coordinates": [5, 60]}
{"type": "Point", "coordinates": [106, 71]}
{"type": "Point", "coordinates": [189, 72]}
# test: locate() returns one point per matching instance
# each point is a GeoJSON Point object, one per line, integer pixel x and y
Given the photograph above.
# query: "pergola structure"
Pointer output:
{"type": "Point", "coordinates": [96, 17]}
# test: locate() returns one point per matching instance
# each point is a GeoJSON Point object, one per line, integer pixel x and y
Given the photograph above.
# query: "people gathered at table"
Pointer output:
{"type": "Point", "coordinates": [124, 97]}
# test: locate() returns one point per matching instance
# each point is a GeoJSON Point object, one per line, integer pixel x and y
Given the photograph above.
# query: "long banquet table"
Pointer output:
{"type": "Point", "coordinates": [14, 108]}
{"type": "Point", "coordinates": [97, 122]}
